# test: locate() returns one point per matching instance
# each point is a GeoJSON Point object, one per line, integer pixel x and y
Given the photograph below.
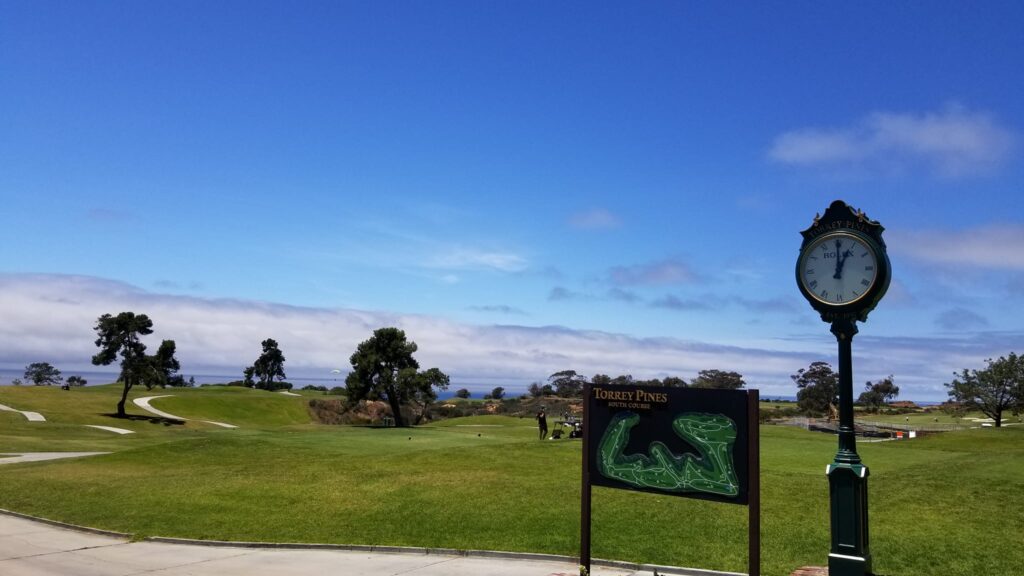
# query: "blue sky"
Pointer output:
{"type": "Point", "coordinates": [524, 187]}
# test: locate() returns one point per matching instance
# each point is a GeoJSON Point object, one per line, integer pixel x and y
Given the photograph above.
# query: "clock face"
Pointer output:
{"type": "Point", "coordinates": [838, 269]}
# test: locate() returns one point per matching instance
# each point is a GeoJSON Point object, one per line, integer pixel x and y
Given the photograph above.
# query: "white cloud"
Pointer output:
{"type": "Point", "coordinates": [673, 302]}
{"type": "Point", "coordinates": [49, 318]}
{"type": "Point", "coordinates": [472, 259]}
{"type": "Point", "coordinates": [595, 219]}
{"type": "Point", "coordinates": [959, 319]}
{"type": "Point", "coordinates": [998, 246]}
{"type": "Point", "coordinates": [561, 293]}
{"type": "Point", "coordinates": [499, 309]}
{"type": "Point", "coordinates": [952, 143]}
{"type": "Point", "coordinates": [654, 273]}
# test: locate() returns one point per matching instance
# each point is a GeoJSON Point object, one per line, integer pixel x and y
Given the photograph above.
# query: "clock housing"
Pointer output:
{"type": "Point", "coordinates": [843, 269]}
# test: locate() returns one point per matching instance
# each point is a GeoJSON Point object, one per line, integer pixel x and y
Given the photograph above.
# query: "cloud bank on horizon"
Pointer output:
{"type": "Point", "coordinates": [49, 318]}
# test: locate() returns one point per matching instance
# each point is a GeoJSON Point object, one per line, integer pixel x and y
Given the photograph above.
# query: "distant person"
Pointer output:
{"type": "Point", "coordinates": [542, 422]}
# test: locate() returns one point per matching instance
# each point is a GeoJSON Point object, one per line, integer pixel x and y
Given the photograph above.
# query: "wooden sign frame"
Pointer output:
{"type": "Point", "coordinates": [691, 436]}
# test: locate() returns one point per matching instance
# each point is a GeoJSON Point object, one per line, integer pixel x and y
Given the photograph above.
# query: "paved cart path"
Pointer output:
{"type": "Point", "coordinates": [110, 429]}
{"type": "Point", "coordinates": [144, 404]}
{"type": "Point", "coordinates": [32, 416]}
{"type": "Point", "coordinates": [33, 548]}
{"type": "Point", "coordinates": [19, 457]}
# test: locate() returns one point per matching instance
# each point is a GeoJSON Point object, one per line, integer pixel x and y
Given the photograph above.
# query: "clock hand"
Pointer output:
{"type": "Point", "coordinates": [839, 261]}
{"type": "Point", "coordinates": [843, 263]}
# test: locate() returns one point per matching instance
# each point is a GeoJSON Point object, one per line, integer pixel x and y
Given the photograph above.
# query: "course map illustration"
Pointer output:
{"type": "Point", "coordinates": [712, 435]}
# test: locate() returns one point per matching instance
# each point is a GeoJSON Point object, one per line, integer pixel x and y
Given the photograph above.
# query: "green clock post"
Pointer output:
{"type": "Point", "coordinates": [843, 271]}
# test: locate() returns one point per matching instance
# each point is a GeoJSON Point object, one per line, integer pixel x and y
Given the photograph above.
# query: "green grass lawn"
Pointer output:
{"type": "Point", "coordinates": [935, 417]}
{"type": "Point", "coordinates": [950, 504]}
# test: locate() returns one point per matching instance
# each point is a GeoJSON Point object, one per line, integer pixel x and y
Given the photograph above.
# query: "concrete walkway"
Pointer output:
{"type": "Point", "coordinates": [32, 416]}
{"type": "Point", "coordinates": [110, 429]}
{"type": "Point", "coordinates": [144, 404]}
{"type": "Point", "coordinates": [19, 457]}
{"type": "Point", "coordinates": [34, 548]}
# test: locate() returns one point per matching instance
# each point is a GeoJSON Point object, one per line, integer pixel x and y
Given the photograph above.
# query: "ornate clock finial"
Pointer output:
{"type": "Point", "coordinates": [817, 218]}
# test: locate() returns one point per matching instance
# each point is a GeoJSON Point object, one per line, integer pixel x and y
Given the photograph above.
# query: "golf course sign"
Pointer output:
{"type": "Point", "coordinates": [679, 441]}
{"type": "Point", "coordinates": [691, 442]}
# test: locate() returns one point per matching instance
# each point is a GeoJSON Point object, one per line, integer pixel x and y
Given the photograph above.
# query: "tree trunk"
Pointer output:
{"type": "Point", "coordinates": [124, 397]}
{"type": "Point", "coordinates": [999, 419]}
{"type": "Point", "coordinates": [396, 408]}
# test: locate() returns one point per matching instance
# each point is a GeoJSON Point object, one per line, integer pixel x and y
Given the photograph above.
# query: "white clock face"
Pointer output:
{"type": "Point", "coordinates": [838, 269]}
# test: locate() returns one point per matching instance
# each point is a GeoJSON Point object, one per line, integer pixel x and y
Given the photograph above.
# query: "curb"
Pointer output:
{"type": "Point", "coordinates": [67, 526]}
{"type": "Point", "coordinates": [412, 550]}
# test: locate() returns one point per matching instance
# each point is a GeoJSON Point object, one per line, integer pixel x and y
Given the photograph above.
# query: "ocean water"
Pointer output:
{"type": "Point", "coordinates": [97, 377]}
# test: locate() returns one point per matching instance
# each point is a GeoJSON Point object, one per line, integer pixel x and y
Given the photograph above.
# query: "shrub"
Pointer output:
{"type": "Point", "coordinates": [274, 386]}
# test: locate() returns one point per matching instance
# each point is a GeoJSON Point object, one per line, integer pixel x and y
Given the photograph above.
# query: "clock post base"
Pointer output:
{"type": "Point", "coordinates": [848, 495]}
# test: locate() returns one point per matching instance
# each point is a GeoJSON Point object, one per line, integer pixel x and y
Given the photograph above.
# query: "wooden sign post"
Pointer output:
{"type": "Point", "coordinates": [690, 442]}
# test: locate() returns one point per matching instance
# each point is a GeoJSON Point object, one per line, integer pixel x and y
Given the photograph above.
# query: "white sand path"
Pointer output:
{"type": "Point", "coordinates": [37, 417]}
{"type": "Point", "coordinates": [18, 457]}
{"type": "Point", "coordinates": [287, 393]}
{"type": "Point", "coordinates": [144, 404]}
{"type": "Point", "coordinates": [110, 429]}
{"type": "Point", "coordinates": [32, 416]}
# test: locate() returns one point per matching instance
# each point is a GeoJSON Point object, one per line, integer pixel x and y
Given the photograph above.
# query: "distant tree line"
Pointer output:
{"type": "Point", "coordinates": [497, 394]}
{"type": "Point", "coordinates": [45, 374]}
{"type": "Point", "coordinates": [996, 389]}
{"type": "Point", "coordinates": [383, 368]}
{"type": "Point", "coordinates": [569, 383]}
{"type": "Point", "coordinates": [818, 391]}
{"type": "Point", "coordinates": [993, 391]}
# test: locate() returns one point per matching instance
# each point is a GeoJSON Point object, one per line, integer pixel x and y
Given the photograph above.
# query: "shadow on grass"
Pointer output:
{"type": "Point", "coordinates": [150, 419]}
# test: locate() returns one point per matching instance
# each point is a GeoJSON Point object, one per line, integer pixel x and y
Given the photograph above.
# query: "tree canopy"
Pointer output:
{"type": "Point", "coordinates": [420, 387]}
{"type": "Point", "coordinates": [42, 374]}
{"type": "Point", "coordinates": [119, 336]}
{"type": "Point", "coordinates": [997, 388]}
{"type": "Point", "coordinates": [673, 382]}
{"type": "Point", "coordinates": [567, 383]}
{"type": "Point", "coordinates": [877, 394]}
{"type": "Point", "coordinates": [76, 381]}
{"type": "Point", "coordinates": [162, 367]}
{"type": "Point", "coordinates": [537, 390]}
{"type": "Point", "coordinates": [268, 368]}
{"type": "Point", "coordinates": [498, 393]}
{"type": "Point", "coordinates": [818, 388]}
{"type": "Point", "coordinates": [383, 368]}
{"type": "Point", "coordinates": [718, 379]}
{"type": "Point", "coordinates": [462, 393]}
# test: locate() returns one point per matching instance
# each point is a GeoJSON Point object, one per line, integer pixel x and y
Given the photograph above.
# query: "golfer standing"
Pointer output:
{"type": "Point", "coordinates": [542, 422]}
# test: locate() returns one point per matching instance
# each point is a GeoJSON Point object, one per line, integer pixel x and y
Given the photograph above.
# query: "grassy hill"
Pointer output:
{"type": "Point", "coordinates": [944, 504]}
